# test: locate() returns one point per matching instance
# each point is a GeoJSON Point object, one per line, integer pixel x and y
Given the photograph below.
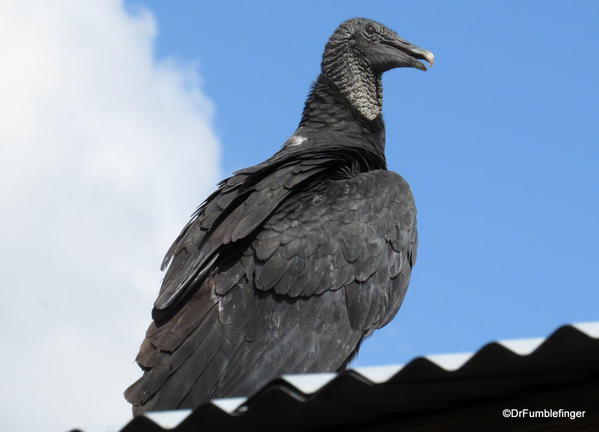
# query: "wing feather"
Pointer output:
{"type": "Point", "coordinates": [242, 203]}
{"type": "Point", "coordinates": [349, 244]}
{"type": "Point", "coordinates": [309, 278]}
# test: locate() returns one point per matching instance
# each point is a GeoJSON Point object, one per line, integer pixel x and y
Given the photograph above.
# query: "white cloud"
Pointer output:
{"type": "Point", "coordinates": [104, 153]}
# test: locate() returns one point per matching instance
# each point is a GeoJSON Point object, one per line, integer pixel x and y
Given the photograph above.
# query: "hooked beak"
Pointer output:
{"type": "Point", "coordinates": [413, 52]}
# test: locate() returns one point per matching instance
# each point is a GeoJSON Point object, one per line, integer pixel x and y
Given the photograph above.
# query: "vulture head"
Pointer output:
{"type": "Point", "coordinates": [357, 54]}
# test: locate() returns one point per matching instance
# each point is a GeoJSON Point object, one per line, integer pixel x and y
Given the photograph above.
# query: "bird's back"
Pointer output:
{"type": "Point", "coordinates": [326, 268]}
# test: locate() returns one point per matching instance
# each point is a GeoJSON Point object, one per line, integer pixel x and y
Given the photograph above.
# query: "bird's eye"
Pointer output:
{"type": "Point", "coordinates": [370, 29]}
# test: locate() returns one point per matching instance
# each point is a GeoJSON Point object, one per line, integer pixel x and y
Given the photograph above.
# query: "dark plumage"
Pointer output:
{"type": "Point", "coordinates": [291, 263]}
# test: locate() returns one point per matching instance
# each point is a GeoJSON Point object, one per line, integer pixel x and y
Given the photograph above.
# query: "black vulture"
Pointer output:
{"type": "Point", "coordinates": [291, 263]}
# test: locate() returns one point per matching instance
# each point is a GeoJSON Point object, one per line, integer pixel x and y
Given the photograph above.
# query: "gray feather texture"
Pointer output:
{"type": "Point", "coordinates": [291, 263]}
{"type": "Point", "coordinates": [352, 74]}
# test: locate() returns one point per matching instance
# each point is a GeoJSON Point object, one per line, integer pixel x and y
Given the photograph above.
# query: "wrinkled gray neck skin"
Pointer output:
{"type": "Point", "coordinates": [354, 77]}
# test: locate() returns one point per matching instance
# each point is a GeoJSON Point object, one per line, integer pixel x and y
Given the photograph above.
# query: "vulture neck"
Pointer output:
{"type": "Point", "coordinates": [328, 111]}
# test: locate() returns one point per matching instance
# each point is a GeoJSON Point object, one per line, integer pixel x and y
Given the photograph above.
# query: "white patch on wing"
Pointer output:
{"type": "Point", "coordinates": [295, 140]}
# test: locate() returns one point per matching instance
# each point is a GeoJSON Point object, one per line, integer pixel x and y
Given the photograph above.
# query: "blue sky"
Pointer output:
{"type": "Point", "coordinates": [499, 142]}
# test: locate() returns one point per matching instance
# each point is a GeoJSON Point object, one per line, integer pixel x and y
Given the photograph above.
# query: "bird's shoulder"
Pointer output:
{"type": "Point", "coordinates": [353, 236]}
{"type": "Point", "coordinates": [231, 215]}
{"type": "Point", "coordinates": [337, 232]}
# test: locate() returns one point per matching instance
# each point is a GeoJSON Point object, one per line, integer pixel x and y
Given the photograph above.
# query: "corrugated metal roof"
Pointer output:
{"type": "Point", "coordinates": [569, 356]}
